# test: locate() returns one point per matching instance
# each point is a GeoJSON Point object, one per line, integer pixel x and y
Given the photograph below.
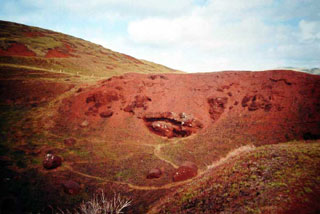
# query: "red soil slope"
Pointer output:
{"type": "Point", "coordinates": [17, 49]}
{"type": "Point", "coordinates": [56, 53]}
{"type": "Point", "coordinates": [269, 107]}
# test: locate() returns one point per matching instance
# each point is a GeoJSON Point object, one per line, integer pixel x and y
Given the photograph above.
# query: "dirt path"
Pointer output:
{"type": "Point", "coordinates": [157, 152]}
{"type": "Point", "coordinates": [230, 155]}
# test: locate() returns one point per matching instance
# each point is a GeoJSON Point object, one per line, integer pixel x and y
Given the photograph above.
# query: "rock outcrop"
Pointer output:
{"type": "Point", "coordinates": [140, 101]}
{"type": "Point", "coordinates": [217, 106]}
{"type": "Point", "coordinates": [256, 102]}
{"type": "Point", "coordinates": [171, 124]}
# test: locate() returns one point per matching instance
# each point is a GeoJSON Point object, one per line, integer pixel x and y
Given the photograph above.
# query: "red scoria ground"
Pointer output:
{"type": "Point", "coordinates": [110, 135]}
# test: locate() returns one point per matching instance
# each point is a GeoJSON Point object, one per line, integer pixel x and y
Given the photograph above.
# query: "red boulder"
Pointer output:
{"type": "Point", "coordinates": [186, 171]}
{"type": "Point", "coordinates": [51, 161]}
{"type": "Point", "coordinates": [154, 173]}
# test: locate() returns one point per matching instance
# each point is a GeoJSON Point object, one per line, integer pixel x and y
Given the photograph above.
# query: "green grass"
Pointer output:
{"type": "Point", "coordinates": [88, 59]}
{"type": "Point", "coordinates": [278, 176]}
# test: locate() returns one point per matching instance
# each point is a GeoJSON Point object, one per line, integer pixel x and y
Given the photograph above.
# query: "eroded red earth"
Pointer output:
{"type": "Point", "coordinates": [275, 105]}
{"type": "Point", "coordinates": [57, 53]}
{"type": "Point", "coordinates": [146, 135]}
{"type": "Point", "coordinates": [17, 49]}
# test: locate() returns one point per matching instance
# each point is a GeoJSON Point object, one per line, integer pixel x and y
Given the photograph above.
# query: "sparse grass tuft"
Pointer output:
{"type": "Point", "coordinates": [99, 204]}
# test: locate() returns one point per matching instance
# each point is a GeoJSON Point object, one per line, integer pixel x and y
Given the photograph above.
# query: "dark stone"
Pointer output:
{"type": "Point", "coordinates": [71, 187]}
{"type": "Point", "coordinates": [51, 161]}
{"type": "Point", "coordinates": [267, 107]}
{"type": "Point", "coordinates": [90, 99]}
{"type": "Point", "coordinates": [154, 173]}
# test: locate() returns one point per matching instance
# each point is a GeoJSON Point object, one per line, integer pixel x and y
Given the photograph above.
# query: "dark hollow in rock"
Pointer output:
{"type": "Point", "coordinates": [217, 106]}
{"type": "Point", "coordinates": [103, 97]}
{"type": "Point", "coordinates": [92, 111]}
{"type": "Point", "coordinates": [153, 77]}
{"type": "Point", "coordinates": [51, 161]}
{"type": "Point", "coordinates": [154, 173]}
{"type": "Point", "coordinates": [170, 124]}
{"type": "Point", "coordinates": [279, 80]}
{"type": "Point", "coordinates": [71, 187]}
{"type": "Point", "coordinates": [140, 101]}
{"type": "Point", "coordinates": [106, 114]}
{"type": "Point", "coordinates": [186, 171]}
{"type": "Point", "coordinates": [256, 102]}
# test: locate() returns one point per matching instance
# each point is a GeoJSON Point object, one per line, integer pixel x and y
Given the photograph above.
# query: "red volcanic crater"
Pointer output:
{"type": "Point", "coordinates": [264, 107]}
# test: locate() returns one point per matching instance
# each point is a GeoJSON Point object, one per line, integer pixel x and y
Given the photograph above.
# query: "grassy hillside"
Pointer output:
{"type": "Point", "coordinates": [39, 48]}
{"type": "Point", "coordinates": [281, 178]}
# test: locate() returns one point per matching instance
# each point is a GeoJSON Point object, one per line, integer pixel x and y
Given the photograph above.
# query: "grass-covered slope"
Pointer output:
{"type": "Point", "coordinates": [26, 46]}
{"type": "Point", "coordinates": [282, 178]}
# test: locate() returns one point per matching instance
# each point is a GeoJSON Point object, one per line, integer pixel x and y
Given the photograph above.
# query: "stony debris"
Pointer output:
{"type": "Point", "coordinates": [163, 128]}
{"type": "Point", "coordinates": [171, 124]}
{"type": "Point", "coordinates": [52, 161]}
